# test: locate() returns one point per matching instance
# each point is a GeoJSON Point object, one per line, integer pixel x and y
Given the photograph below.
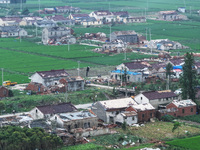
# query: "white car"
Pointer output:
{"type": "Point", "coordinates": [178, 91]}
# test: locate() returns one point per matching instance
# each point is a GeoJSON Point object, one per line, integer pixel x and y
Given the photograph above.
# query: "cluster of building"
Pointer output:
{"type": "Point", "coordinates": [54, 81]}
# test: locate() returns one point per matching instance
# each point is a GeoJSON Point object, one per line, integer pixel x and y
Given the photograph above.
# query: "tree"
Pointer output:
{"type": "Point", "coordinates": [188, 80]}
{"type": "Point", "coordinates": [12, 12]}
{"type": "Point", "coordinates": [2, 106]}
{"type": "Point", "coordinates": [25, 11]}
{"type": "Point", "coordinates": [169, 68]}
{"type": "Point", "coordinates": [176, 126]}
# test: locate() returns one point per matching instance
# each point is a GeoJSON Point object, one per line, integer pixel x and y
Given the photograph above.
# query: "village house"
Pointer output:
{"type": "Point", "coordinates": [12, 31]}
{"type": "Point", "coordinates": [109, 110]}
{"type": "Point", "coordinates": [78, 17]}
{"type": "Point", "coordinates": [73, 120]}
{"type": "Point", "coordinates": [164, 44]}
{"type": "Point", "coordinates": [171, 15]}
{"type": "Point", "coordinates": [197, 67]}
{"type": "Point", "coordinates": [120, 16]}
{"type": "Point", "coordinates": [145, 112]}
{"type": "Point", "coordinates": [55, 34]}
{"type": "Point", "coordinates": [49, 78]}
{"type": "Point", "coordinates": [130, 76]}
{"type": "Point", "coordinates": [182, 9]}
{"type": "Point", "coordinates": [12, 21]}
{"type": "Point", "coordinates": [57, 19]}
{"type": "Point", "coordinates": [158, 70]}
{"type": "Point", "coordinates": [30, 21]}
{"type": "Point", "coordinates": [91, 21]}
{"type": "Point", "coordinates": [135, 66]}
{"type": "Point", "coordinates": [49, 10]}
{"type": "Point", "coordinates": [76, 83]}
{"type": "Point", "coordinates": [131, 19]}
{"type": "Point", "coordinates": [103, 15]}
{"type": "Point", "coordinates": [156, 98]}
{"type": "Point", "coordinates": [130, 37]}
{"type": "Point", "coordinates": [178, 109]}
{"type": "Point", "coordinates": [45, 23]}
{"type": "Point", "coordinates": [67, 9]}
{"type": "Point", "coordinates": [36, 88]}
{"type": "Point", "coordinates": [46, 111]}
{"type": "Point", "coordinates": [114, 46]}
{"type": "Point", "coordinates": [4, 1]}
{"type": "Point", "coordinates": [4, 92]}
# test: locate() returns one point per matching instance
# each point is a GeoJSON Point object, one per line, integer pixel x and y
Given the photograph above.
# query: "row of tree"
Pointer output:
{"type": "Point", "coordinates": [17, 1]}
{"type": "Point", "coordinates": [17, 138]}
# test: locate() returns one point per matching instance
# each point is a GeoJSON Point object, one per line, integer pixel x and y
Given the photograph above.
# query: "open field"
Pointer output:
{"type": "Point", "coordinates": [162, 131]}
{"type": "Point", "coordinates": [137, 6]}
{"type": "Point", "coordinates": [21, 59]}
{"type": "Point", "coordinates": [191, 143]}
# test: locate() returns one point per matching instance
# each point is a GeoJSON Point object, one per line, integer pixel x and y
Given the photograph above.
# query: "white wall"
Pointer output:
{"type": "Point", "coordinates": [37, 78]}
{"type": "Point", "coordinates": [36, 114]}
{"type": "Point", "coordinates": [141, 99]}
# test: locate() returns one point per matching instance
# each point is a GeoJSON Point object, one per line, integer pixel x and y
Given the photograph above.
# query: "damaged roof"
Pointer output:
{"type": "Point", "coordinates": [117, 103]}
{"type": "Point", "coordinates": [59, 108]}
{"type": "Point", "coordinates": [76, 115]}
{"type": "Point", "coordinates": [152, 95]}
{"type": "Point", "coordinates": [143, 107]}
{"type": "Point", "coordinates": [130, 32]}
{"type": "Point", "coordinates": [135, 65]}
{"type": "Point", "coordinates": [183, 103]}
{"type": "Point", "coordinates": [53, 73]}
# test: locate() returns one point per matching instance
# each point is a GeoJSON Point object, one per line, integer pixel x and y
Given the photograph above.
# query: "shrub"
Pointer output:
{"type": "Point", "coordinates": [168, 118]}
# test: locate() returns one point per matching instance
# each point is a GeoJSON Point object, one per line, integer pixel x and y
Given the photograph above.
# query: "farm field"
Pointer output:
{"type": "Point", "coordinates": [163, 131]}
{"type": "Point", "coordinates": [137, 6]}
{"type": "Point", "coordinates": [185, 32]}
{"type": "Point", "coordinates": [191, 143]}
{"type": "Point", "coordinates": [193, 118]}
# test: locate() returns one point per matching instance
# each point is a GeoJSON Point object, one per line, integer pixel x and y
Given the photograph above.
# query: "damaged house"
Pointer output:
{"type": "Point", "coordinates": [57, 35]}
{"type": "Point", "coordinates": [112, 111]}
{"type": "Point", "coordinates": [179, 109]}
{"type": "Point", "coordinates": [156, 98]}
{"type": "Point", "coordinates": [117, 46]}
{"type": "Point", "coordinates": [73, 120]}
{"type": "Point", "coordinates": [130, 37]}
{"type": "Point", "coordinates": [73, 83]}
{"type": "Point", "coordinates": [46, 111]}
{"type": "Point", "coordinates": [49, 78]}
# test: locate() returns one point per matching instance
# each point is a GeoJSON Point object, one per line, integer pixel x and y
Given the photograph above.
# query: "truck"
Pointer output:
{"type": "Point", "coordinates": [9, 83]}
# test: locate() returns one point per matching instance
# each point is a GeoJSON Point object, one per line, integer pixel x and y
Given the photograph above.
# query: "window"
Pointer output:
{"type": "Point", "coordinates": [167, 99]}
{"type": "Point", "coordinates": [88, 124]}
{"type": "Point", "coordinates": [36, 111]}
{"type": "Point", "coordinates": [133, 118]}
{"type": "Point", "coordinates": [55, 118]}
{"type": "Point", "coordinates": [142, 115]}
{"type": "Point", "coordinates": [141, 98]}
{"type": "Point", "coordinates": [150, 114]}
{"type": "Point", "coordinates": [75, 126]}
{"type": "Point", "coordinates": [191, 109]}
{"type": "Point", "coordinates": [183, 111]}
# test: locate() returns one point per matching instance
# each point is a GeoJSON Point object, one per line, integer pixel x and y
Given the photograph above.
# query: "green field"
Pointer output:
{"type": "Point", "coordinates": [190, 143]}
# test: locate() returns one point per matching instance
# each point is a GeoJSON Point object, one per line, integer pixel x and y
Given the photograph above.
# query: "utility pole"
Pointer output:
{"type": "Point", "coordinates": [68, 45]}
{"type": "Point", "coordinates": [39, 7]}
{"type": "Point", "coordinates": [145, 13]}
{"type": "Point", "coordinates": [167, 86]}
{"type": "Point", "coordinates": [20, 38]}
{"type": "Point", "coordinates": [78, 68]}
{"type": "Point", "coordinates": [21, 6]}
{"type": "Point", "coordinates": [146, 33]}
{"type": "Point", "coordinates": [110, 32]}
{"type": "Point", "coordinates": [150, 39]}
{"type": "Point", "coordinates": [36, 32]}
{"type": "Point", "coordinates": [121, 75]}
{"type": "Point", "coordinates": [2, 75]}
{"type": "Point", "coordinates": [125, 51]}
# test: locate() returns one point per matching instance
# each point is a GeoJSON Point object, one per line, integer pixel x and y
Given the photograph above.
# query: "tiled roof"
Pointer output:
{"type": "Point", "coordinates": [11, 19]}
{"type": "Point", "coordinates": [120, 13]}
{"type": "Point", "coordinates": [152, 95]}
{"type": "Point", "coordinates": [168, 12]}
{"type": "Point", "coordinates": [57, 18]}
{"type": "Point", "coordinates": [102, 13]}
{"type": "Point", "coordinates": [135, 65]}
{"type": "Point", "coordinates": [177, 61]}
{"type": "Point", "coordinates": [80, 15]}
{"type": "Point", "coordinates": [130, 32]}
{"type": "Point", "coordinates": [59, 108]}
{"type": "Point", "coordinates": [117, 103]}
{"type": "Point", "coordinates": [10, 29]}
{"type": "Point", "coordinates": [183, 103]}
{"type": "Point", "coordinates": [53, 73]}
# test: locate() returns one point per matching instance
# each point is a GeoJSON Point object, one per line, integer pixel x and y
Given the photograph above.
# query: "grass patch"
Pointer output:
{"type": "Point", "coordinates": [88, 146]}
{"type": "Point", "coordinates": [191, 143]}
{"type": "Point", "coordinates": [194, 118]}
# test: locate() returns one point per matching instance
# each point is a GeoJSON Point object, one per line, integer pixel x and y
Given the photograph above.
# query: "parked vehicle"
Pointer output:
{"type": "Point", "coordinates": [9, 83]}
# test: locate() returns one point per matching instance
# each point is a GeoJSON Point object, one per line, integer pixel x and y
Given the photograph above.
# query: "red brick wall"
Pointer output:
{"type": "Point", "coordinates": [183, 111]}
{"type": "Point", "coordinates": [3, 92]}
{"type": "Point", "coordinates": [144, 116]}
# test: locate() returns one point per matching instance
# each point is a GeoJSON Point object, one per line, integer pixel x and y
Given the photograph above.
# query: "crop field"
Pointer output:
{"type": "Point", "coordinates": [185, 32]}
{"type": "Point", "coordinates": [193, 118]}
{"type": "Point", "coordinates": [137, 6]}
{"type": "Point", "coordinates": [191, 143]}
{"type": "Point", "coordinates": [163, 130]}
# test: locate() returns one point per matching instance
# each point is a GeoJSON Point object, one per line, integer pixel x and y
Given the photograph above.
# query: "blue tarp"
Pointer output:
{"type": "Point", "coordinates": [128, 72]}
{"type": "Point", "coordinates": [177, 67]}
